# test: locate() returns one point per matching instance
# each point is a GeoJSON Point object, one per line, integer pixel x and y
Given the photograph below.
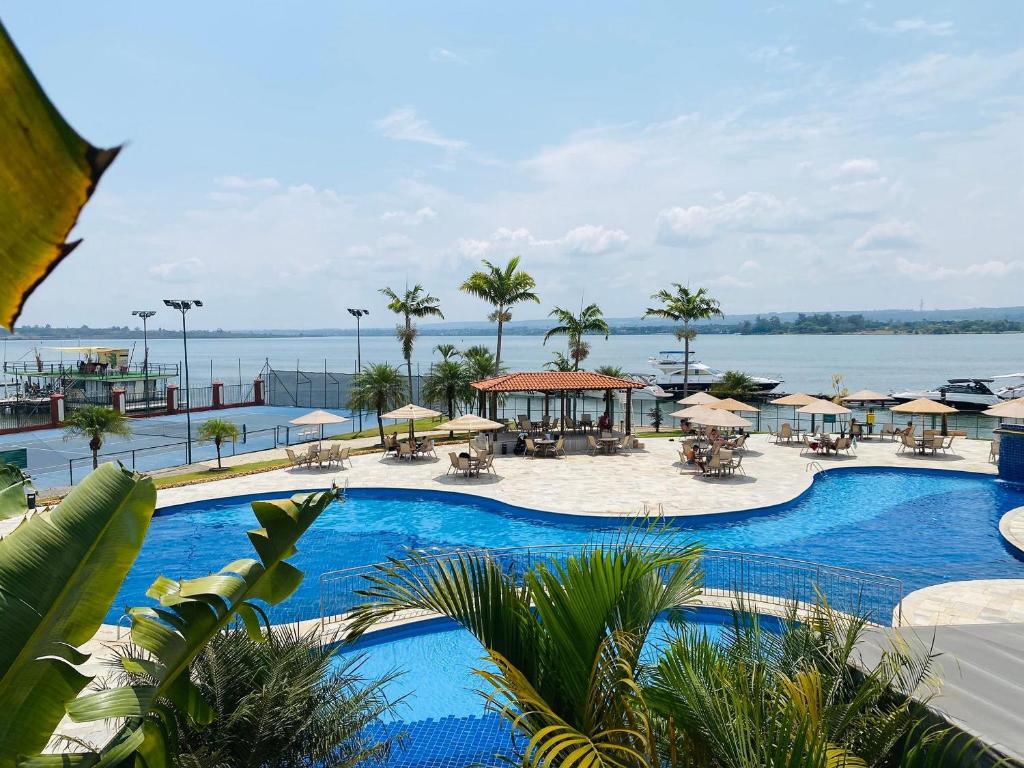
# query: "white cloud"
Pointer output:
{"type": "Point", "coordinates": [750, 212]}
{"type": "Point", "coordinates": [410, 218]}
{"type": "Point", "coordinates": [394, 242]}
{"type": "Point", "coordinates": [932, 272]}
{"type": "Point", "coordinates": [888, 236]}
{"type": "Point", "coordinates": [855, 168]}
{"type": "Point", "coordinates": [446, 56]}
{"type": "Point", "coordinates": [404, 124]}
{"type": "Point", "coordinates": [183, 271]}
{"type": "Point", "coordinates": [593, 240]}
{"type": "Point", "coordinates": [472, 248]}
{"type": "Point", "coordinates": [915, 26]}
{"type": "Point", "coordinates": [240, 182]}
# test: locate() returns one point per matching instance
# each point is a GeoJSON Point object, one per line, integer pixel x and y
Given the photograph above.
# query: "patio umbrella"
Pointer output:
{"type": "Point", "coordinates": [1011, 409]}
{"type": "Point", "coordinates": [698, 398]}
{"type": "Point", "coordinates": [925, 407]}
{"type": "Point", "coordinates": [711, 417]}
{"type": "Point", "coordinates": [318, 418]}
{"type": "Point", "coordinates": [472, 423]}
{"type": "Point", "coordinates": [411, 412]}
{"type": "Point", "coordinates": [824, 408]}
{"type": "Point", "coordinates": [866, 396]}
{"type": "Point", "coordinates": [797, 399]}
{"type": "Point", "coordinates": [732, 405]}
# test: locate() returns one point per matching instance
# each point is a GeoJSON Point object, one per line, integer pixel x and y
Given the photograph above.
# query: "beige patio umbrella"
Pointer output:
{"type": "Point", "coordinates": [472, 423]}
{"type": "Point", "coordinates": [411, 412]}
{"type": "Point", "coordinates": [823, 407]}
{"type": "Point", "coordinates": [1011, 409]}
{"type": "Point", "coordinates": [698, 398]}
{"type": "Point", "coordinates": [319, 418]}
{"type": "Point", "coordinates": [735, 406]}
{"type": "Point", "coordinates": [925, 407]}
{"type": "Point", "coordinates": [686, 413]}
{"type": "Point", "coordinates": [797, 400]}
{"type": "Point", "coordinates": [866, 396]}
{"type": "Point", "coordinates": [712, 417]}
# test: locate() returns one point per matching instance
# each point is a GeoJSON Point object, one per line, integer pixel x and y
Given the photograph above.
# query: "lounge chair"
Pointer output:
{"type": "Point", "coordinates": [558, 448]}
{"type": "Point", "coordinates": [993, 449]}
{"type": "Point", "coordinates": [740, 444]}
{"type": "Point", "coordinates": [531, 448]}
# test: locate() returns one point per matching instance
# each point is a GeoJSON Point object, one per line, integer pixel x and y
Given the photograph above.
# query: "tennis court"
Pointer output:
{"type": "Point", "coordinates": [160, 441]}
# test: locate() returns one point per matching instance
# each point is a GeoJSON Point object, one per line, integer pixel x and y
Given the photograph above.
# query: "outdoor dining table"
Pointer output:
{"type": "Point", "coordinates": [544, 447]}
{"type": "Point", "coordinates": [608, 443]}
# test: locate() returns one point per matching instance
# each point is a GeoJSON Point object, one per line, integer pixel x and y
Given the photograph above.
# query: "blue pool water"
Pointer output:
{"type": "Point", "coordinates": [922, 526]}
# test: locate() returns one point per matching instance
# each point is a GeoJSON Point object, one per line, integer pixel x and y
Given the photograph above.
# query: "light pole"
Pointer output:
{"type": "Point", "coordinates": [145, 314]}
{"type": "Point", "coordinates": [183, 306]}
{"type": "Point", "coordinates": [358, 314]}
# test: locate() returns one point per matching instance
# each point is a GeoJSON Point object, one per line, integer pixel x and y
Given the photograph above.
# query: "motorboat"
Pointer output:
{"type": "Point", "coordinates": [1012, 390]}
{"type": "Point", "coordinates": [672, 367]}
{"type": "Point", "coordinates": [962, 394]}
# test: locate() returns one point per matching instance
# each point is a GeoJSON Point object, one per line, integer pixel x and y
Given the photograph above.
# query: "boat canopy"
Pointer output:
{"type": "Point", "coordinates": [86, 350]}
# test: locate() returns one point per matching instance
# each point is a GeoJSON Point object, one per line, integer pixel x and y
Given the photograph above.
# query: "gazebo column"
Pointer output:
{"type": "Point", "coordinates": [561, 418]}
{"type": "Point", "coordinates": [494, 406]}
{"type": "Point", "coordinates": [629, 411]}
{"type": "Point", "coordinates": [483, 403]}
{"type": "Point", "coordinates": [547, 405]}
{"type": "Point", "coordinates": [609, 406]}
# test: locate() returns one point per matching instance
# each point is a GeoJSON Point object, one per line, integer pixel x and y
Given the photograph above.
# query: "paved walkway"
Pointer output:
{"type": "Point", "coordinates": [982, 601]}
{"type": "Point", "coordinates": [603, 485]}
{"type": "Point", "coordinates": [1011, 527]}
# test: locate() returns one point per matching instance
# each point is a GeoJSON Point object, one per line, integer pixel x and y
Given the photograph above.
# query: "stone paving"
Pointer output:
{"type": "Point", "coordinates": [604, 485]}
{"type": "Point", "coordinates": [982, 601]}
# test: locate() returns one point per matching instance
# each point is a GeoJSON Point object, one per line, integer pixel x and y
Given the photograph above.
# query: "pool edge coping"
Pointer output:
{"type": "Point", "coordinates": [1007, 525]}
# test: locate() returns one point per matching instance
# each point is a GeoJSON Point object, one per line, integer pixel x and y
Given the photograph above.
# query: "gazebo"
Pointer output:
{"type": "Point", "coordinates": [559, 384]}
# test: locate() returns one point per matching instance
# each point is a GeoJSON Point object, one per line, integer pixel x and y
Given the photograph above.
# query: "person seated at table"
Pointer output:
{"type": "Point", "coordinates": [713, 435]}
{"type": "Point", "coordinates": [909, 431]}
{"type": "Point", "coordinates": [604, 423]}
{"type": "Point", "coordinates": [855, 430]}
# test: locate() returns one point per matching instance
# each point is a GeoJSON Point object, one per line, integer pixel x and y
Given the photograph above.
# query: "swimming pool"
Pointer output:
{"type": "Point", "coordinates": [922, 526]}
{"type": "Point", "coordinates": [441, 711]}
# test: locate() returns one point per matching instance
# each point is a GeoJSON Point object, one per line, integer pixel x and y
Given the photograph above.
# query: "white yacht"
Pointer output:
{"type": "Point", "coordinates": [962, 394]}
{"type": "Point", "coordinates": [671, 366]}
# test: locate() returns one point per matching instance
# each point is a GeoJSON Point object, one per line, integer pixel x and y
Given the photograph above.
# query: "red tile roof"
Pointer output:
{"type": "Point", "coordinates": [553, 381]}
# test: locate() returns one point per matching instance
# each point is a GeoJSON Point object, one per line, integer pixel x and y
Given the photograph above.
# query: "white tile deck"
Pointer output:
{"type": "Point", "coordinates": [982, 601]}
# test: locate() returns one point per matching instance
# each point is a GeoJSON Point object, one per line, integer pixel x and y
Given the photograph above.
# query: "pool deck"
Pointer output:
{"type": "Point", "coordinates": [651, 478]}
{"type": "Point", "coordinates": [981, 601]}
{"type": "Point", "coordinates": [1011, 528]}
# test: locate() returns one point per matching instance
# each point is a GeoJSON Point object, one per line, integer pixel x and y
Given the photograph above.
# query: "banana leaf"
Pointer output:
{"type": "Point", "coordinates": [47, 174]}
{"type": "Point", "coordinates": [59, 573]}
{"type": "Point", "coordinates": [189, 613]}
{"type": "Point", "coordinates": [13, 484]}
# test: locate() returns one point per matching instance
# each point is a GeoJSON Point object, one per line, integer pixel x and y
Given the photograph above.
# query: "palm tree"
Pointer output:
{"type": "Point", "coordinates": [415, 302]}
{"type": "Point", "coordinates": [565, 637]}
{"type": "Point", "coordinates": [502, 288]}
{"type": "Point", "coordinates": [480, 364]}
{"type": "Point", "coordinates": [575, 327]}
{"type": "Point", "coordinates": [446, 351]}
{"type": "Point", "coordinates": [685, 306]}
{"type": "Point", "coordinates": [283, 702]}
{"type": "Point", "coordinates": [378, 387]}
{"type": "Point", "coordinates": [218, 430]}
{"type": "Point", "coordinates": [448, 382]}
{"type": "Point", "coordinates": [616, 372]}
{"type": "Point", "coordinates": [559, 363]}
{"type": "Point", "coordinates": [95, 422]}
{"type": "Point", "coordinates": [734, 384]}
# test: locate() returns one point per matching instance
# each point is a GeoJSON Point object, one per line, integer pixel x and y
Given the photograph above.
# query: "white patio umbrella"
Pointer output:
{"type": "Point", "coordinates": [472, 423]}
{"type": "Point", "coordinates": [711, 417]}
{"type": "Point", "coordinates": [1011, 409]}
{"type": "Point", "coordinates": [925, 407]}
{"type": "Point", "coordinates": [318, 419]}
{"type": "Point", "coordinates": [823, 407]}
{"type": "Point", "coordinates": [698, 398]}
{"type": "Point", "coordinates": [733, 405]}
{"type": "Point", "coordinates": [411, 412]}
{"type": "Point", "coordinates": [797, 400]}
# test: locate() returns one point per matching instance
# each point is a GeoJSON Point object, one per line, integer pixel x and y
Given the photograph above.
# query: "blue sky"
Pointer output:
{"type": "Point", "coordinates": [284, 163]}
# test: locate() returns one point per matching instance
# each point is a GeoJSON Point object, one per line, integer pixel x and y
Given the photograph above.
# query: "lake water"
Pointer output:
{"type": "Point", "coordinates": [804, 363]}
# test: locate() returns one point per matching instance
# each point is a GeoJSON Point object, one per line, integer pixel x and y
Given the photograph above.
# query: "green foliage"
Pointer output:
{"type": "Point", "coordinates": [378, 387]}
{"type": "Point", "coordinates": [565, 638]}
{"type": "Point", "coordinates": [684, 306]}
{"type": "Point", "coordinates": [575, 327]}
{"type": "Point", "coordinates": [47, 174]}
{"type": "Point", "coordinates": [735, 384]}
{"type": "Point", "coordinates": [656, 417]}
{"type": "Point", "coordinates": [502, 288]}
{"type": "Point", "coordinates": [95, 422]}
{"type": "Point", "coordinates": [14, 482]}
{"type": "Point", "coordinates": [279, 702]}
{"type": "Point", "coordinates": [559, 362]}
{"type": "Point", "coordinates": [414, 302]}
{"type": "Point", "coordinates": [190, 613]}
{"type": "Point", "coordinates": [59, 573]}
{"type": "Point", "coordinates": [218, 431]}
{"type": "Point", "coordinates": [446, 351]}
{"type": "Point", "coordinates": [448, 382]}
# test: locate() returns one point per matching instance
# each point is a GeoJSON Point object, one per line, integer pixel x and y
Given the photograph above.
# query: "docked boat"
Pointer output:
{"type": "Point", "coordinates": [672, 367]}
{"type": "Point", "coordinates": [962, 394]}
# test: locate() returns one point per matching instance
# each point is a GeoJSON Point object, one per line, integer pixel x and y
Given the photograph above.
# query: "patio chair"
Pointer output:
{"type": "Point", "coordinates": [465, 467]}
{"type": "Point", "coordinates": [740, 444]}
{"type": "Point", "coordinates": [844, 444]}
{"type": "Point", "coordinates": [332, 455]}
{"type": "Point", "coordinates": [525, 425]}
{"type": "Point", "coordinates": [937, 443]}
{"type": "Point", "coordinates": [888, 430]}
{"type": "Point", "coordinates": [737, 465]}
{"type": "Point", "coordinates": [453, 457]}
{"type": "Point", "coordinates": [947, 445]}
{"type": "Point", "coordinates": [558, 448]}
{"type": "Point", "coordinates": [593, 445]}
{"type": "Point", "coordinates": [714, 465]}
{"type": "Point", "coordinates": [993, 449]}
{"type": "Point", "coordinates": [785, 433]}
{"type": "Point", "coordinates": [906, 441]}
{"type": "Point", "coordinates": [294, 459]}
{"type": "Point", "coordinates": [725, 462]}
{"type": "Point", "coordinates": [569, 424]}
{"type": "Point", "coordinates": [487, 464]}
{"type": "Point", "coordinates": [343, 456]}
{"type": "Point", "coordinates": [404, 449]}
{"type": "Point", "coordinates": [585, 422]}
{"type": "Point", "coordinates": [809, 445]}
{"type": "Point", "coordinates": [390, 444]}
{"type": "Point", "coordinates": [625, 444]}
{"type": "Point", "coordinates": [531, 448]}
{"type": "Point", "coordinates": [428, 447]}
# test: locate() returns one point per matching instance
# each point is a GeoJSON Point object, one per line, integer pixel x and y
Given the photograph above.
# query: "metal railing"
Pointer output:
{"type": "Point", "coordinates": [90, 370]}
{"type": "Point", "coordinates": [767, 581]}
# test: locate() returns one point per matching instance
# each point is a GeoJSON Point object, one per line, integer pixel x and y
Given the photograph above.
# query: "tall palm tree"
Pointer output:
{"type": "Point", "coordinates": [575, 327]}
{"type": "Point", "coordinates": [415, 302]}
{"type": "Point", "coordinates": [616, 372]}
{"type": "Point", "coordinates": [95, 422]}
{"type": "Point", "coordinates": [284, 701]}
{"type": "Point", "coordinates": [565, 637]}
{"type": "Point", "coordinates": [448, 382]}
{"type": "Point", "coordinates": [685, 306]}
{"type": "Point", "coordinates": [446, 351]}
{"type": "Point", "coordinates": [378, 387]}
{"type": "Point", "coordinates": [502, 288]}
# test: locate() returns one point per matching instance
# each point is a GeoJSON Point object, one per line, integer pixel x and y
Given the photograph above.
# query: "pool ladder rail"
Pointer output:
{"type": "Point", "coordinates": [814, 466]}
